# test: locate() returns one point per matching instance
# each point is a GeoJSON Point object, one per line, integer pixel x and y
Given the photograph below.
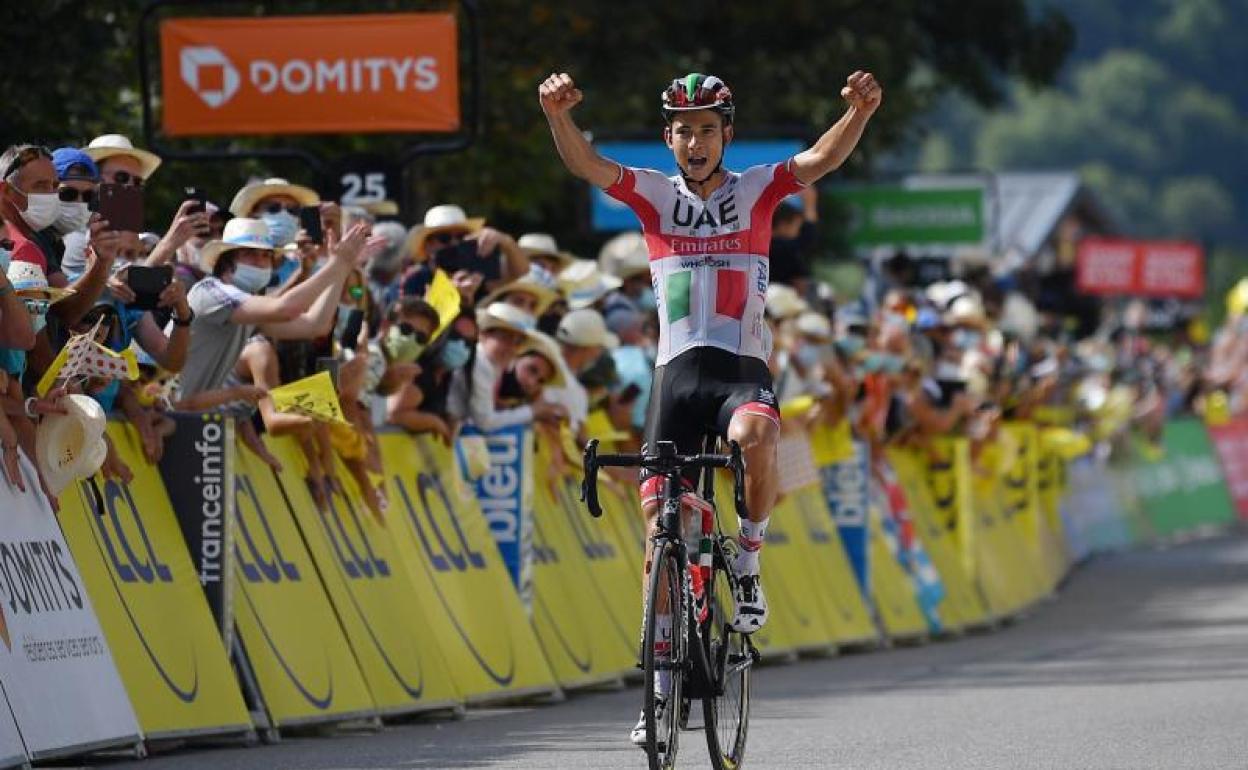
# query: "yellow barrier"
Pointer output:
{"type": "Point", "coordinates": [303, 665]}
{"type": "Point", "coordinates": [831, 579]}
{"type": "Point", "coordinates": [445, 541]}
{"type": "Point", "coordinates": [387, 622]}
{"type": "Point", "coordinates": [963, 605]}
{"type": "Point", "coordinates": [143, 586]}
{"type": "Point", "coordinates": [580, 585]}
{"type": "Point", "coordinates": [892, 590]}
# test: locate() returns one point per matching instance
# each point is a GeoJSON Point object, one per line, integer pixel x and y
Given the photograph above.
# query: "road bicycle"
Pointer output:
{"type": "Point", "coordinates": [709, 661]}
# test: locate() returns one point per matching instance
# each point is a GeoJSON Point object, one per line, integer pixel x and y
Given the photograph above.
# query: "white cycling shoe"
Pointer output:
{"type": "Point", "coordinates": [638, 735]}
{"type": "Point", "coordinates": [751, 613]}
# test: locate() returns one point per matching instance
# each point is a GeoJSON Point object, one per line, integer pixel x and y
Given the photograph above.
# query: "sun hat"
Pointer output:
{"type": "Point", "coordinates": [251, 194]}
{"type": "Point", "coordinates": [625, 255]}
{"type": "Point", "coordinates": [239, 233]}
{"type": "Point", "coordinates": [586, 328]}
{"type": "Point", "coordinates": [446, 217]}
{"type": "Point", "coordinates": [545, 347]}
{"type": "Point", "coordinates": [66, 159]}
{"type": "Point", "coordinates": [534, 282]}
{"type": "Point", "coordinates": [966, 310]}
{"type": "Point", "coordinates": [544, 245]}
{"type": "Point", "coordinates": [500, 315]}
{"type": "Point", "coordinates": [71, 446]}
{"type": "Point", "coordinates": [815, 325]}
{"type": "Point", "coordinates": [111, 145]}
{"type": "Point", "coordinates": [584, 283]}
{"type": "Point", "coordinates": [784, 302]}
{"type": "Point", "coordinates": [29, 282]}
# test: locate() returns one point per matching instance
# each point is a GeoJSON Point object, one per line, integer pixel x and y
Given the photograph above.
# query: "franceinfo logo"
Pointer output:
{"type": "Point", "coordinates": [209, 73]}
{"type": "Point", "coordinates": [215, 79]}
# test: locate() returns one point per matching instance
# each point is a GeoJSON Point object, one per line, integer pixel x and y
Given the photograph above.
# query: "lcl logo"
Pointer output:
{"type": "Point", "coordinates": [208, 73]}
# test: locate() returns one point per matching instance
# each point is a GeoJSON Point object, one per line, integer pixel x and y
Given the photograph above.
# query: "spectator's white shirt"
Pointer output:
{"type": "Point", "coordinates": [478, 407]}
{"type": "Point", "coordinates": [572, 395]}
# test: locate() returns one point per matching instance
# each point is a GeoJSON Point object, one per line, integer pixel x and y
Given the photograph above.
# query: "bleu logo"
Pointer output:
{"type": "Point", "coordinates": [257, 568]}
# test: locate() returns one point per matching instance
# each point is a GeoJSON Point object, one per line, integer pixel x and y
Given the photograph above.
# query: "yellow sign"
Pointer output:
{"type": "Point", "coordinates": [312, 397]}
{"type": "Point", "coordinates": [445, 299]}
{"type": "Point", "coordinates": [385, 614]}
{"type": "Point", "coordinates": [445, 543]}
{"type": "Point", "coordinates": [293, 639]}
{"type": "Point", "coordinates": [133, 559]}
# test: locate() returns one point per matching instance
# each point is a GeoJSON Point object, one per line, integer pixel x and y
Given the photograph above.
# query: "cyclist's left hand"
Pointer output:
{"type": "Point", "coordinates": [862, 92]}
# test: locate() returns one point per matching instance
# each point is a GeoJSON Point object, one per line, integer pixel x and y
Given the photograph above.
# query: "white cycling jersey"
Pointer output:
{"type": "Point", "coordinates": [708, 258]}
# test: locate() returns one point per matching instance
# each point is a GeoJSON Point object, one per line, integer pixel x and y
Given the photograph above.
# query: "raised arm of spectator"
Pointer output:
{"type": "Point", "coordinates": [830, 150]}
{"type": "Point", "coordinates": [558, 95]}
{"type": "Point", "coordinates": [16, 330]}
{"type": "Point", "coordinates": [186, 224]}
{"type": "Point", "coordinates": [102, 251]}
{"type": "Point", "coordinates": [291, 313]}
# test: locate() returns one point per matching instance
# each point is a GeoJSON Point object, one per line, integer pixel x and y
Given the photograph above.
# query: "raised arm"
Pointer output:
{"type": "Point", "coordinates": [558, 95]}
{"type": "Point", "coordinates": [830, 151]}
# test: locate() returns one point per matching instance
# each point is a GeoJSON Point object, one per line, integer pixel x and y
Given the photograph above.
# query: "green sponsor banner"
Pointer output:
{"type": "Point", "coordinates": [1184, 488]}
{"type": "Point", "coordinates": [883, 216]}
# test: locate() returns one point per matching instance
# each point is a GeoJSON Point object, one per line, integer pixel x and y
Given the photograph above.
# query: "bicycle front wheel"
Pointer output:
{"type": "Point", "coordinates": [664, 597]}
{"type": "Point", "coordinates": [727, 709]}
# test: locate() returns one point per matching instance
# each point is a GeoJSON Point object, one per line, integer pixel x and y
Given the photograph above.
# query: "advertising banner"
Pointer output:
{"type": "Point", "coordinates": [197, 468]}
{"type": "Point", "coordinates": [55, 664]}
{"type": "Point", "coordinates": [138, 573]}
{"type": "Point", "coordinates": [1231, 441]}
{"type": "Point", "coordinates": [895, 216]}
{"type": "Point", "coordinates": [12, 752]}
{"type": "Point", "coordinates": [1184, 489]}
{"type": "Point", "coordinates": [1140, 268]}
{"type": "Point", "coordinates": [845, 486]}
{"type": "Point", "coordinates": [505, 492]}
{"type": "Point", "coordinates": [394, 72]}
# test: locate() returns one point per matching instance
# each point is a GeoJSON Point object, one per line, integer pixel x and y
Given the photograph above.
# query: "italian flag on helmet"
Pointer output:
{"type": "Point", "coordinates": [697, 91]}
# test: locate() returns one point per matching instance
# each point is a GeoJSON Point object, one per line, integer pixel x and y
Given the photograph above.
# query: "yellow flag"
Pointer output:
{"type": "Point", "coordinates": [444, 298]}
{"type": "Point", "coordinates": [311, 397]}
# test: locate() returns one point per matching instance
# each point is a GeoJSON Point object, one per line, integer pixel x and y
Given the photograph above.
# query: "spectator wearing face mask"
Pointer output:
{"type": "Point", "coordinates": [477, 258]}
{"type": "Point", "coordinates": [626, 257]}
{"type": "Point", "coordinates": [228, 304]}
{"type": "Point", "coordinates": [583, 338]}
{"type": "Point", "coordinates": [277, 203]}
{"type": "Point", "coordinates": [121, 163]}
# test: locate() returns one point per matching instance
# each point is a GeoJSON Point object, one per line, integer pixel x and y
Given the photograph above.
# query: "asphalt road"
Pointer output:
{"type": "Point", "coordinates": [1141, 663]}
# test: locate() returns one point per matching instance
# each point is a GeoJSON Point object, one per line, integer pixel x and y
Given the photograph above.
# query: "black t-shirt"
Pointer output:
{"type": "Point", "coordinates": [790, 257]}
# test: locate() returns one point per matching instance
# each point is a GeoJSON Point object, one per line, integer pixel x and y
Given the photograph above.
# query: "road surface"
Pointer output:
{"type": "Point", "coordinates": [1141, 662]}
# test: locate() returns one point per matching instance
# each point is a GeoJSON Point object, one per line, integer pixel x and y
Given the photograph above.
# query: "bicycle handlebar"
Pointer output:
{"type": "Point", "coordinates": [665, 462]}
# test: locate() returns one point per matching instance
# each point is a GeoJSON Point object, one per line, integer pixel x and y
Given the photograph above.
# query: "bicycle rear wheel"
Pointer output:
{"type": "Point", "coordinates": [727, 711]}
{"type": "Point", "coordinates": [665, 591]}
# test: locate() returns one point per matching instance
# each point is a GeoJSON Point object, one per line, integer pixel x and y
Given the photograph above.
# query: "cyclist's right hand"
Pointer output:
{"type": "Point", "coordinates": [558, 94]}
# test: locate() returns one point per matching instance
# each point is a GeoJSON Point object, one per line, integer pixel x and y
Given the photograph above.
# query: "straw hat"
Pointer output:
{"type": "Point", "coordinates": [966, 310]}
{"type": "Point", "coordinates": [251, 194]}
{"type": "Point", "coordinates": [625, 255]}
{"type": "Point", "coordinates": [444, 218]}
{"type": "Point", "coordinates": [528, 284]}
{"type": "Point", "coordinates": [500, 315]}
{"type": "Point", "coordinates": [813, 324]}
{"type": "Point", "coordinates": [544, 245]}
{"type": "Point", "coordinates": [584, 283]}
{"type": "Point", "coordinates": [240, 233]}
{"type": "Point", "coordinates": [71, 446]}
{"type": "Point", "coordinates": [784, 302]}
{"type": "Point", "coordinates": [29, 282]}
{"type": "Point", "coordinates": [586, 328]}
{"type": "Point", "coordinates": [545, 347]}
{"type": "Point", "coordinates": [112, 145]}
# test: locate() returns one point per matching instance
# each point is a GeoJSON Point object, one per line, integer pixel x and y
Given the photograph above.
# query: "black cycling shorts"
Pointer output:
{"type": "Point", "coordinates": [698, 392]}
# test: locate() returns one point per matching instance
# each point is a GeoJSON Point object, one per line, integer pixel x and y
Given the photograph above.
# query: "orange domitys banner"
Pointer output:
{"type": "Point", "coordinates": [310, 74]}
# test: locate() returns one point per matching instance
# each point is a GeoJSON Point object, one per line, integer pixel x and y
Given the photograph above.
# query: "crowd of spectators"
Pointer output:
{"type": "Point", "coordinates": [530, 333]}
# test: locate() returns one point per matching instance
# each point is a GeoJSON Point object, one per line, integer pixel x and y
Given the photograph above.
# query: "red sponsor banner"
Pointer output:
{"type": "Point", "coordinates": [1231, 441]}
{"type": "Point", "coordinates": [1141, 268]}
{"type": "Point", "coordinates": [310, 74]}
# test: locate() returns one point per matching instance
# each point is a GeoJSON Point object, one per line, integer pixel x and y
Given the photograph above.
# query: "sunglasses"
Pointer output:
{"type": "Point", "coordinates": [73, 195]}
{"type": "Point", "coordinates": [411, 331]}
{"type": "Point", "coordinates": [24, 156]}
{"type": "Point", "coordinates": [277, 208]}
{"type": "Point", "coordinates": [126, 178]}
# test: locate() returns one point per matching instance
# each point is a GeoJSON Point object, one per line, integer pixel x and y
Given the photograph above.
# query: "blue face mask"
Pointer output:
{"type": "Point", "coordinates": [647, 301]}
{"type": "Point", "coordinates": [455, 353]}
{"type": "Point", "coordinates": [250, 278]}
{"type": "Point", "coordinates": [283, 226]}
{"type": "Point", "coordinates": [851, 344]}
{"type": "Point", "coordinates": [965, 339]}
{"type": "Point", "coordinates": [807, 355]}
{"type": "Point", "coordinates": [887, 363]}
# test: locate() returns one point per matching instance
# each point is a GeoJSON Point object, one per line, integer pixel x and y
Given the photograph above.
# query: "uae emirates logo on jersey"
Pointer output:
{"type": "Point", "coordinates": [730, 294]}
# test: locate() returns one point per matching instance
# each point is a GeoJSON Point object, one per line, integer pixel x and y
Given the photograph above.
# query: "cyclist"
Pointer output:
{"type": "Point", "coordinates": [708, 230]}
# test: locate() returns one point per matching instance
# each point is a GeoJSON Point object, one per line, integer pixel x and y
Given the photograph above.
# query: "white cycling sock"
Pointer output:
{"type": "Point", "coordinates": [750, 538]}
{"type": "Point", "coordinates": [663, 653]}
